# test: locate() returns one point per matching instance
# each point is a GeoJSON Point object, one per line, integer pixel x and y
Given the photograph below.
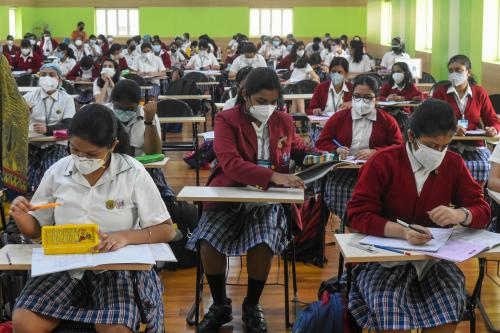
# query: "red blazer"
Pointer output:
{"type": "Point", "coordinates": [38, 51]}
{"type": "Point", "coordinates": [385, 131]}
{"type": "Point", "coordinates": [409, 92]}
{"type": "Point", "coordinates": [285, 63]}
{"type": "Point", "coordinates": [32, 63]}
{"type": "Point", "coordinates": [320, 96]}
{"type": "Point", "coordinates": [54, 44]}
{"type": "Point", "coordinates": [77, 72]}
{"type": "Point", "coordinates": [165, 57]}
{"type": "Point", "coordinates": [230, 59]}
{"type": "Point", "coordinates": [123, 64]}
{"type": "Point", "coordinates": [9, 59]}
{"type": "Point", "coordinates": [478, 108]}
{"type": "Point", "coordinates": [386, 190]}
{"type": "Point", "coordinates": [15, 50]}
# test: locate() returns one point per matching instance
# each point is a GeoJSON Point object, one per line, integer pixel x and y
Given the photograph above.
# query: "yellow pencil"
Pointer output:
{"type": "Point", "coordinates": [49, 205]}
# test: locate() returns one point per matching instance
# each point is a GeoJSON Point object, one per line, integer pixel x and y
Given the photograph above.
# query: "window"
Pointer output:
{"type": "Point", "coordinates": [117, 21]}
{"type": "Point", "coordinates": [12, 22]}
{"type": "Point", "coordinates": [491, 24]}
{"type": "Point", "coordinates": [271, 22]}
{"type": "Point", "coordinates": [423, 36]}
{"type": "Point", "coordinates": [386, 23]}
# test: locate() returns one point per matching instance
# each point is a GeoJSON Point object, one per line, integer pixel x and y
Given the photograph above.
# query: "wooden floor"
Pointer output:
{"type": "Point", "coordinates": [180, 285]}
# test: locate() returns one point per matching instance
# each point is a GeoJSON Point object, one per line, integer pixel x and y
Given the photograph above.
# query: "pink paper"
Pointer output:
{"type": "Point", "coordinates": [457, 251]}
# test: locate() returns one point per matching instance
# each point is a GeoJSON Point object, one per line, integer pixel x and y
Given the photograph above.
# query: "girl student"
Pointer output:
{"type": "Point", "coordinates": [473, 110]}
{"type": "Point", "coordinates": [359, 62]}
{"type": "Point", "coordinates": [110, 75]}
{"type": "Point", "coordinates": [240, 83]}
{"type": "Point", "coordinates": [101, 184]}
{"type": "Point", "coordinates": [357, 132]}
{"type": "Point", "coordinates": [396, 54]}
{"type": "Point", "coordinates": [150, 66]}
{"type": "Point", "coordinates": [400, 86]}
{"type": "Point", "coordinates": [65, 58]}
{"type": "Point", "coordinates": [254, 146]}
{"type": "Point", "coordinates": [248, 58]}
{"type": "Point", "coordinates": [422, 183]}
{"type": "Point", "coordinates": [27, 60]}
{"type": "Point", "coordinates": [115, 54]}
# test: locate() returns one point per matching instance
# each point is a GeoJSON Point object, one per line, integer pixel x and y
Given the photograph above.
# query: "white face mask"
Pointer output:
{"type": "Point", "coordinates": [110, 40]}
{"type": "Point", "coordinates": [10, 42]}
{"type": "Point", "coordinates": [262, 112]}
{"type": "Point", "coordinates": [398, 77]}
{"type": "Point", "coordinates": [203, 53]}
{"type": "Point", "coordinates": [25, 51]}
{"type": "Point", "coordinates": [78, 42]}
{"type": "Point", "coordinates": [87, 165]}
{"type": "Point", "coordinates": [300, 53]}
{"type": "Point", "coordinates": [362, 108]}
{"type": "Point", "coordinates": [337, 78]}
{"type": "Point", "coordinates": [430, 158]}
{"type": "Point", "coordinates": [108, 71]}
{"type": "Point", "coordinates": [48, 83]}
{"type": "Point", "coordinates": [457, 79]}
{"type": "Point", "coordinates": [32, 42]}
{"type": "Point", "coordinates": [92, 42]}
{"type": "Point", "coordinates": [46, 38]}
{"type": "Point", "coordinates": [148, 56]}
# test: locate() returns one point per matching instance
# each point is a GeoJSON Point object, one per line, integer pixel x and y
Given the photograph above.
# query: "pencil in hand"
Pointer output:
{"type": "Point", "coordinates": [406, 225]}
{"type": "Point", "coordinates": [46, 206]}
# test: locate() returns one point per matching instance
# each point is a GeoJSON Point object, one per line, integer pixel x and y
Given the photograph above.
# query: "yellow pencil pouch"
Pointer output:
{"type": "Point", "coordinates": [70, 238]}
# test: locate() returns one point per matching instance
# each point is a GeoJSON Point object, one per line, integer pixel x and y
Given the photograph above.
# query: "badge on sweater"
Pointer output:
{"type": "Point", "coordinates": [110, 204]}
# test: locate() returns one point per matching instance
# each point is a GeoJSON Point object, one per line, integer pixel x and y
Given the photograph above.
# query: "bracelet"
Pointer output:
{"type": "Point", "coordinates": [467, 215]}
{"type": "Point", "coordinates": [148, 123]}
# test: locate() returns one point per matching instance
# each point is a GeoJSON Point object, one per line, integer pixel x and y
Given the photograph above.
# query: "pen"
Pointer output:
{"type": "Point", "coordinates": [392, 250]}
{"type": "Point", "coordinates": [406, 225]}
{"type": "Point", "coordinates": [8, 259]}
{"type": "Point", "coordinates": [364, 248]}
{"type": "Point", "coordinates": [49, 205]}
{"type": "Point", "coordinates": [338, 143]}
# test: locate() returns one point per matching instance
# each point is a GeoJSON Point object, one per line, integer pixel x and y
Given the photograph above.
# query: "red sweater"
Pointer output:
{"type": "Point", "coordinates": [386, 191]}
{"type": "Point", "coordinates": [13, 51]}
{"type": "Point", "coordinates": [52, 41]}
{"type": "Point", "coordinates": [32, 63]}
{"type": "Point", "coordinates": [409, 92]}
{"type": "Point", "coordinates": [165, 57]}
{"type": "Point", "coordinates": [385, 131]}
{"type": "Point", "coordinates": [320, 96]}
{"type": "Point", "coordinates": [77, 72]}
{"type": "Point", "coordinates": [285, 63]}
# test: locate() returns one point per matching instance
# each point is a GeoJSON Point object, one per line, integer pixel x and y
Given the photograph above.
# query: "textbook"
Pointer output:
{"type": "Point", "coordinates": [317, 171]}
{"type": "Point", "coordinates": [478, 132]}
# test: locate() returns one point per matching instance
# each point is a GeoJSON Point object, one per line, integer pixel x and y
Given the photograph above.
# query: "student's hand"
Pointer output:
{"type": "Point", "coordinates": [317, 112]}
{"type": "Point", "coordinates": [461, 131]}
{"type": "Point", "coordinates": [444, 216]}
{"type": "Point", "coordinates": [150, 111]}
{"type": "Point", "coordinates": [364, 154]}
{"type": "Point", "coordinates": [490, 131]}
{"type": "Point", "coordinates": [78, 79]}
{"type": "Point", "coordinates": [343, 152]}
{"type": "Point", "coordinates": [287, 180]}
{"type": "Point", "coordinates": [40, 128]}
{"type": "Point", "coordinates": [345, 105]}
{"type": "Point", "coordinates": [20, 206]}
{"type": "Point", "coordinates": [111, 242]}
{"type": "Point", "coordinates": [392, 97]}
{"type": "Point", "coordinates": [415, 237]}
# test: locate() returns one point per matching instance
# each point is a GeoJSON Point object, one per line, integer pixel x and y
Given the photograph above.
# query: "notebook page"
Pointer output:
{"type": "Point", "coordinates": [162, 252]}
{"type": "Point", "coordinates": [482, 237]}
{"type": "Point", "coordinates": [42, 264]}
{"type": "Point", "coordinates": [130, 254]}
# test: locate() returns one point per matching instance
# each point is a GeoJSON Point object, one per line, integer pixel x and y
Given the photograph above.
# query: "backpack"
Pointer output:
{"type": "Point", "coordinates": [185, 87]}
{"type": "Point", "coordinates": [206, 155]}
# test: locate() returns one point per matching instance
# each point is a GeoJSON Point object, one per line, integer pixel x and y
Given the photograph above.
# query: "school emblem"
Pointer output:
{"type": "Point", "coordinates": [58, 112]}
{"type": "Point", "coordinates": [110, 204]}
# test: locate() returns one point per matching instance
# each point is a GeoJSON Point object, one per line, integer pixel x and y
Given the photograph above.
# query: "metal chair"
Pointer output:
{"type": "Point", "coordinates": [196, 77]}
{"type": "Point", "coordinates": [427, 78]}
{"type": "Point", "coordinates": [137, 78]}
{"type": "Point", "coordinates": [26, 80]}
{"type": "Point", "coordinates": [495, 101]}
{"type": "Point", "coordinates": [301, 87]}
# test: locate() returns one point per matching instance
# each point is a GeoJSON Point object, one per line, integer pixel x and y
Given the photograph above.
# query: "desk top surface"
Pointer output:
{"type": "Point", "coordinates": [181, 120]}
{"type": "Point", "coordinates": [184, 97]}
{"type": "Point", "coordinates": [475, 138]}
{"type": "Point", "coordinates": [291, 97]}
{"type": "Point", "coordinates": [240, 194]}
{"type": "Point", "coordinates": [46, 139]}
{"type": "Point", "coordinates": [157, 165]}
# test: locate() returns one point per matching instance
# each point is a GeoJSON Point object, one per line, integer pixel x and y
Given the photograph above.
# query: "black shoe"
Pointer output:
{"type": "Point", "coordinates": [253, 317]}
{"type": "Point", "coordinates": [216, 316]}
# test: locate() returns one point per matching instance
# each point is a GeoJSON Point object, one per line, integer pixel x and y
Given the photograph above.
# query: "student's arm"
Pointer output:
{"type": "Point", "coordinates": [190, 64]}
{"type": "Point", "coordinates": [494, 179]}
{"type": "Point", "coordinates": [152, 141]}
{"type": "Point", "coordinates": [73, 73]}
{"type": "Point", "coordinates": [414, 93]}
{"type": "Point", "coordinates": [314, 76]}
{"type": "Point", "coordinates": [328, 133]}
{"type": "Point", "coordinates": [27, 224]}
{"type": "Point", "coordinates": [215, 64]}
{"type": "Point", "coordinates": [100, 98]}
{"type": "Point", "coordinates": [315, 104]}
{"type": "Point", "coordinates": [384, 92]}
{"type": "Point", "coordinates": [489, 116]}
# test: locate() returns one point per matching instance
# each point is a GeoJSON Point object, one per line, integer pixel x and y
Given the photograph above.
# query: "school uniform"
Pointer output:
{"type": "Point", "coordinates": [66, 65]}
{"type": "Point", "coordinates": [12, 50]}
{"type": "Point", "coordinates": [197, 61]}
{"type": "Point", "coordinates": [300, 74]}
{"type": "Point", "coordinates": [79, 52]}
{"type": "Point", "coordinates": [285, 63]}
{"type": "Point", "coordinates": [93, 51]}
{"type": "Point", "coordinates": [359, 67]}
{"type": "Point", "coordinates": [408, 91]}
{"type": "Point", "coordinates": [96, 89]}
{"type": "Point", "coordinates": [165, 57]}
{"type": "Point", "coordinates": [248, 155]}
{"type": "Point", "coordinates": [55, 111]}
{"type": "Point", "coordinates": [89, 75]}
{"type": "Point", "coordinates": [475, 107]}
{"type": "Point", "coordinates": [329, 57]}
{"type": "Point", "coordinates": [309, 47]}
{"type": "Point", "coordinates": [25, 63]}
{"type": "Point", "coordinates": [373, 131]}
{"type": "Point", "coordinates": [124, 198]}
{"type": "Point", "coordinates": [402, 296]}
{"type": "Point", "coordinates": [176, 58]}
{"type": "Point", "coordinates": [275, 53]}
{"type": "Point", "coordinates": [130, 57]}
{"type": "Point", "coordinates": [242, 62]}
{"type": "Point", "coordinates": [142, 65]}
{"type": "Point", "coordinates": [391, 57]}
{"type": "Point", "coordinates": [49, 47]}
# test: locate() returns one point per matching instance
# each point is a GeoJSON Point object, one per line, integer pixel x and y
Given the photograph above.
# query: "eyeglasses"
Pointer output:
{"type": "Point", "coordinates": [365, 98]}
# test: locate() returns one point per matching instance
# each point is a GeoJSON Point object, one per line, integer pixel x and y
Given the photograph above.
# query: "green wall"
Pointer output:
{"type": "Point", "coordinates": [440, 33]}
{"type": "Point", "coordinates": [4, 21]}
{"type": "Point", "coordinates": [471, 33]}
{"type": "Point", "coordinates": [373, 13]}
{"type": "Point", "coordinates": [315, 21]}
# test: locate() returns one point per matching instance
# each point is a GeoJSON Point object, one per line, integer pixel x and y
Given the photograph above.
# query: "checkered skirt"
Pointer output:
{"type": "Point", "coordinates": [339, 186]}
{"type": "Point", "coordinates": [477, 161]}
{"type": "Point", "coordinates": [39, 160]}
{"type": "Point", "coordinates": [105, 298]}
{"type": "Point", "coordinates": [314, 133]}
{"type": "Point", "coordinates": [233, 231]}
{"type": "Point", "coordinates": [394, 299]}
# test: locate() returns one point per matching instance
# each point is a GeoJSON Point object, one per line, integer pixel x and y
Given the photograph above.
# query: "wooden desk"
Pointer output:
{"type": "Point", "coordinates": [26, 89]}
{"type": "Point", "coordinates": [182, 120]}
{"type": "Point", "coordinates": [81, 83]}
{"type": "Point", "coordinates": [46, 139]}
{"type": "Point", "coordinates": [349, 166]}
{"type": "Point", "coordinates": [424, 86]}
{"type": "Point", "coordinates": [185, 97]}
{"type": "Point", "coordinates": [475, 138]}
{"type": "Point", "coordinates": [219, 106]}
{"type": "Point", "coordinates": [20, 256]}
{"type": "Point", "coordinates": [209, 83]}
{"type": "Point", "coordinates": [240, 194]}
{"type": "Point", "coordinates": [157, 165]}
{"type": "Point", "coordinates": [494, 195]}
{"type": "Point", "coordinates": [292, 97]}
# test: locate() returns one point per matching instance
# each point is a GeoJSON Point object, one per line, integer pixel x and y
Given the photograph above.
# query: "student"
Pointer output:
{"type": "Point", "coordinates": [400, 86]}
{"type": "Point", "coordinates": [309, 46]}
{"type": "Point", "coordinates": [473, 110]}
{"type": "Point", "coordinates": [85, 70]}
{"type": "Point", "coordinates": [345, 42]}
{"type": "Point", "coordinates": [246, 158]}
{"type": "Point", "coordinates": [92, 48]}
{"type": "Point", "coordinates": [240, 83]}
{"type": "Point", "coordinates": [204, 60]}
{"type": "Point", "coordinates": [302, 70]}
{"type": "Point", "coordinates": [298, 51]}
{"type": "Point", "coordinates": [336, 51]}
{"type": "Point", "coordinates": [318, 68]}
{"type": "Point", "coordinates": [10, 48]}
{"type": "Point", "coordinates": [176, 57]}
{"type": "Point", "coordinates": [274, 51]}
{"type": "Point", "coordinates": [27, 60]}
{"type": "Point", "coordinates": [7, 56]}
{"type": "Point", "coordinates": [48, 45]}
{"type": "Point", "coordinates": [130, 53]}
{"type": "Point", "coordinates": [159, 52]}
{"type": "Point", "coordinates": [51, 108]}
{"type": "Point", "coordinates": [164, 45]}
{"type": "Point", "coordinates": [190, 51]}
{"type": "Point", "coordinates": [402, 182]}
{"type": "Point", "coordinates": [360, 130]}
{"type": "Point", "coordinates": [110, 75]}
{"type": "Point", "coordinates": [65, 58]}
{"type": "Point", "coordinates": [78, 48]}
{"type": "Point", "coordinates": [110, 40]}
{"type": "Point", "coordinates": [98, 183]}
{"type": "Point", "coordinates": [103, 43]}
{"type": "Point", "coordinates": [34, 44]}
{"type": "Point", "coordinates": [397, 53]}
{"type": "Point", "coordinates": [359, 62]}
{"type": "Point", "coordinates": [150, 66]}
{"type": "Point", "coordinates": [187, 42]}
{"type": "Point", "coordinates": [79, 32]}
{"type": "Point", "coordinates": [115, 54]}
{"type": "Point", "coordinates": [249, 57]}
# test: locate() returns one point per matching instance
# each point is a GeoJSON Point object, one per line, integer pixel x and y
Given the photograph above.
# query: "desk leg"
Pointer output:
{"type": "Point", "coordinates": [476, 300]}
{"type": "Point", "coordinates": [196, 150]}
{"type": "Point", "coordinates": [146, 96]}
{"type": "Point", "coordinates": [285, 270]}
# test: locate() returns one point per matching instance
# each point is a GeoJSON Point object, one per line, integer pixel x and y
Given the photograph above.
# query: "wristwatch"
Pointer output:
{"type": "Point", "coordinates": [149, 123]}
{"type": "Point", "coordinates": [467, 214]}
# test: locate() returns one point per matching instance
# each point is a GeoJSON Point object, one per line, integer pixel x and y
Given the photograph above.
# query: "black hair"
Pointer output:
{"type": "Point", "coordinates": [126, 90]}
{"type": "Point", "coordinates": [47, 32]}
{"type": "Point", "coordinates": [86, 62]}
{"type": "Point", "coordinates": [80, 23]}
{"type": "Point", "coordinates": [98, 125]}
{"type": "Point", "coordinates": [242, 74]}
{"type": "Point", "coordinates": [10, 37]}
{"type": "Point", "coordinates": [366, 80]}
{"type": "Point", "coordinates": [102, 38]}
{"type": "Point", "coordinates": [295, 47]}
{"type": "Point", "coordinates": [357, 54]}
{"type": "Point", "coordinates": [156, 41]}
{"type": "Point", "coordinates": [240, 46]}
{"type": "Point", "coordinates": [69, 51]}
{"type": "Point", "coordinates": [406, 70]}
{"type": "Point", "coordinates": [186, 34]}
{"type": "Point", "coordinates": [433, 117]}
{"type": "Point", "coordinates": [113, 48]}
{"type": "Point", "coordinates": [25, 43]}
{"type": "Point", "coordinates": [317, 40]}
{"type": "Point", "coordinates": [248, 48]}
{"type": "Point", "coordinates": [146, 46]}
{"type": "Point", "coordinates": [203, 43]}
{"type": "Point", "coordinates": [194, 43]}
{"type": "Point", "coordinates": [400, 48]}
{"type": "Point", "coordinates": [336, 41]}
{"type": "Point", "coordinates": [258, 79]}
{"type": "Point", "coordinates": [315, 47]}
{"type": "Point", "coordinates": [156, 37]}
{"type": "Point", "coordinates": [92, 37]}
{"type": "Point", "coordinates": [115, 78]}
{"type": "Point", "coordinates": [130, 40]}
{"type": "Point", "coordinates": [344, 38]}
{"type": "Point", "coordinates": [137, 39]}
{"type": "Point", "coordinates": [315, 59]}
{"type": "Point", "coordinates": [340, 61]}
{"type": "Point", "coordinates": [464, 60]}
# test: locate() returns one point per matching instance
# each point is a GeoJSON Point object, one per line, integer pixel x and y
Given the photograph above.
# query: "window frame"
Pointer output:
{"type": "Point", "coordinates": [386, 22]}
{"type": "Point", "coordinates": [13, 24]}
{"type": "Point", "coordinates": [129, 33]}
{"type": "Point", "coordinates": [491, 53]}
{"type": "Point", "coordinates": [423, 34]}
{"type": "Point", "coordinates": [270, 31]}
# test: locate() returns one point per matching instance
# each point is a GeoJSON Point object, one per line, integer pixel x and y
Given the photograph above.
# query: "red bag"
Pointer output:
{"type": "Point", "coordinates": [6, 327]}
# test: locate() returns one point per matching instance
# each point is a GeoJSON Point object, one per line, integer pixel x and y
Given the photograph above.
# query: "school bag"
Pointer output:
{"type": "Point", "coordinates": [206, 155]}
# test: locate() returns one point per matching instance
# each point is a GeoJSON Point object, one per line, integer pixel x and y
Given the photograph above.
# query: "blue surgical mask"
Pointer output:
{"type": "Point", "coordinates": [157, 48]}
{"type": "Point", "coordinates": [125, 115]}
{"type": "Point", "coordinates": [60, 55]}
{"type": "Point", "coordinates": [276, 43]}
{"type": "Point", "coordinates": [336, 78]}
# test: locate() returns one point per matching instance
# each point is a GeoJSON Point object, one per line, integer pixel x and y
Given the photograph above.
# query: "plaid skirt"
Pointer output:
{"type": "Point", "coordinates": [233, 231]}
{"type": "Point", "coordinates": [394, 299]}
{"type": "Point", "coordinates": [339, 186]}
{"type": "Point", "coordinates": [166, 192]}
{"type": "Point", "coordinates": [40, 159]}
{"type": "Point", "coordinates": [314, 132]}
{"type": "Point", "coordinates": [105, 298]}
{"type": "Point", "coordinates": [477, 161]}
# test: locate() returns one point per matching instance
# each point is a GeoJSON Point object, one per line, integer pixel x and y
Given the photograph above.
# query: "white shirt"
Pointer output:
{"type": "Point", "coordinates": [176, 58]}
{"type": "Point", "coordinates": [142, 65]}
{"type": "Point", "coordinates": [329, 57]}
{"type": "Point", "coordinates": [390, 58]}
{"type": "Point", "coordinates": [91, 49]}
{"type": "Point", "coordinates": [197, 61]}
{"type": "Point", "coordinates": [361, 131]}
{"type": "Point", "coordinates": [262, 133]}
{"type": "Point", "coordinates": [136, 129]}
{"type": "Point", "coordinates": [461, 102]}
{"type": "Point", "coordinates": [242, 62]}
{"type": "Point", "coordinates": [79, 53]}
{"type": "Point", "coordinates": [48, 49]}
{"type": "Point", "coordinates": [66, 66]}
{"type": "Point", "coordinates": [129, 57]}
{"type": "Point", "coordinates": [230, 103]}
{"type": "Point", "coordinates": [124, 198]}
{"type": "Point", "coordinates": [274, 52]}
{"type": "Point", "coordinates": [309, 48]}
{"type": "Point", "coordinates": [359, 67]}
{"type": "Point", "coordinates": [418, 169]}
{"type": "Point", "coordinates": [300, 74]}
{"type": "Point", "coordinates": [335, 100]}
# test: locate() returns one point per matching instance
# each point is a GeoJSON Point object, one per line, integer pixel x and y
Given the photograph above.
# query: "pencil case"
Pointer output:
{"type": "Point", "coordinates": [61, 134]}
{"type": "Point", "coordinates": [315, 159]}
{"type": "Point", "coordinates": [70, 238]}
{"type": "Point", "coordinates": [145, 159]}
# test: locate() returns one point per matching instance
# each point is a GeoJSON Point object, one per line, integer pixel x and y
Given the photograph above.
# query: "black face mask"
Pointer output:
{"type": "Point", "coordinates": [173, 50]}
{"type": "Point", "coordinates": [396, 49]}
{"type": "Point", "coordinates": [81, 28]}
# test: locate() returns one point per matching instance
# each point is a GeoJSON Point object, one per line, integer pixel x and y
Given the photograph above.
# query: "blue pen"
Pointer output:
{"type": "Point", "coordinates": [338, 143]}
{"type": "Point", "coordinates": [392, 250]}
